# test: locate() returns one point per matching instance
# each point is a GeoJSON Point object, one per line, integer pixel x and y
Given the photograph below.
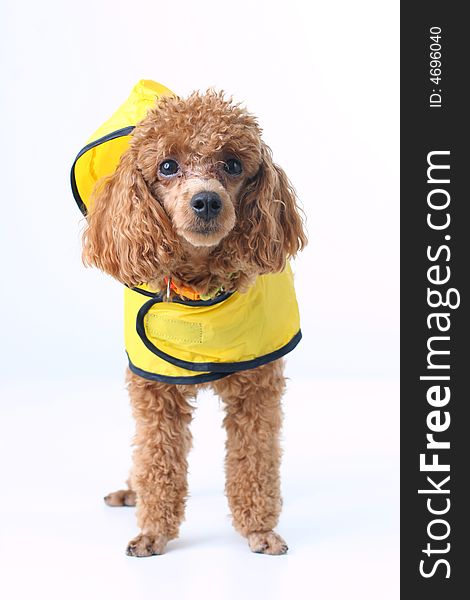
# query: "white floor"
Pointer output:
{"type": "Point", "coordinates": [64, 445]}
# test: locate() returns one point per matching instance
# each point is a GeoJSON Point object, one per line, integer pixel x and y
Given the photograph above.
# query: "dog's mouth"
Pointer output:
{"type": "Point", "coordinates": [208, 234]}
{"type": "Point", "coordinates": [205, 228]}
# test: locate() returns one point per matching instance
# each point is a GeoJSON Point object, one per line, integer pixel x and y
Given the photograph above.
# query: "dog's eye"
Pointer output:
{"type": "Point", "coordinates": [169, 167]}
{"type": "Point", "coordinates": [233, 166]}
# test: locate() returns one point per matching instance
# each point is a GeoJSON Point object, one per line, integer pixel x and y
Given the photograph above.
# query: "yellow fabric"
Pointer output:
{"type": "Point", "coordinates": [101, 160]}
{"type": "Point", "coordinates": [243, 327]}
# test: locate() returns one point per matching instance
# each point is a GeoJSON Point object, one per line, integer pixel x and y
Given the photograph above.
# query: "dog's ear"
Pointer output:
{"type": "Point", "coordinates": [128, 233]}
{"type": "Point", "coordinates": [270, 220]}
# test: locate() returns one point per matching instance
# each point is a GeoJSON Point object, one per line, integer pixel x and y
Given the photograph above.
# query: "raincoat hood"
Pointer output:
{"type": "Point", "coordinates": [102, 151]}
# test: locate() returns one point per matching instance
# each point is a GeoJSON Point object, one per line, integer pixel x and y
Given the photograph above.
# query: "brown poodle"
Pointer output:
{"type": "Point", "coordinates": [197, 197]}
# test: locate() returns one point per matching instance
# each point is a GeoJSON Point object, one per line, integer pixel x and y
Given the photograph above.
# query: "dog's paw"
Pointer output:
{"type": "Point", "coordinates": [120, 498]}
{"type": "Point", "coordinates": [266, 542]}
{"type": "Point", "coordinates": [146, 545]}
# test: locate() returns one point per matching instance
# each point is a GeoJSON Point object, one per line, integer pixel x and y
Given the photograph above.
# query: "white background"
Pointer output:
{"type": "Point", "coordinates": [322, 77]}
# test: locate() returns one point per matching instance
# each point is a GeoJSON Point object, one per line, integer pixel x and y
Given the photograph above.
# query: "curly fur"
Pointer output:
{"type": "Point", "coordinates": [141, 229]}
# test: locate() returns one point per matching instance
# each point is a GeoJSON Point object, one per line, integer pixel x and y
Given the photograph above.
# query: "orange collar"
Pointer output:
{"type": "Point", "coordinates": [182, 290]}
{"type": "Point", "coordinates": [187, 292]}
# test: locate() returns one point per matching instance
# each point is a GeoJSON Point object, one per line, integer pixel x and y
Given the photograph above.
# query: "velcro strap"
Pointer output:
{"type": "Point", "coordinates": [173, 330]}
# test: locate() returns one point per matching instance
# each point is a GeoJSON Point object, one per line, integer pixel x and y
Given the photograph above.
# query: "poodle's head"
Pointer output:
{"type": "Point", "coordinates": [196, 178]}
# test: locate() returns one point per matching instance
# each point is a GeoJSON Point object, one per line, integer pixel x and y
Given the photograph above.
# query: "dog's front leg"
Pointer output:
{"type": "Point", "coordinates": [253, 421]}
{"type": "Point", "coordinates": [159, 473]}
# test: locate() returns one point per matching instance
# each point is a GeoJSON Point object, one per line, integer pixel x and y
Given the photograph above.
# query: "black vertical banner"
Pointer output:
{"type": "Point", "coordinates": [435, 317]}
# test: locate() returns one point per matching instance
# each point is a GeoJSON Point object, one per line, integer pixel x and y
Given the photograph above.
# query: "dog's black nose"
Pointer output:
{"type": "Point", "coordinates": [206, 205]}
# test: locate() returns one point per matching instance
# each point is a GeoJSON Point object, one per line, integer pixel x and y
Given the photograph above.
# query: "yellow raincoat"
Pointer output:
{"type": "Point", "coordinates": [188, 341]}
